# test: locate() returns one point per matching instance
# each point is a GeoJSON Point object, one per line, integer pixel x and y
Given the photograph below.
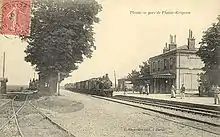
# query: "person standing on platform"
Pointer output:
{"type": "Point", "coordinates": [125, 89]}
{"type": "Point", "coordinates": [173, 92]}
{"type": "Point", "coordinates": [213, 90]}
{"type": "Point", "coordinates": [30, 84]}
{"type": "Point", "coordinates": [200, 88]}
{"type": "Point", "coordinates": [148, 89]}
{"type": "Point", "coordinates": [182, 91]}
{"type": "Point", "coordinates": [143, 89]}
{"type": "Point", "coordinates": [217, 94]}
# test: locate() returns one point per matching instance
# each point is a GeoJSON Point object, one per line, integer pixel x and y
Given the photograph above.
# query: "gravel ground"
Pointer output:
{"type": "Point", "coordinates": [32, 124]}
{"type": "Point", "coordinates": [185, 114]}
{"type": "Point", "coordinates": [2, 101]}
{"type": "Point", "coordinates": [60, 106]}
{"type": "Point", "coordinates": [5, 113]}
{"type": "Point", "coordinates": [86, 116]}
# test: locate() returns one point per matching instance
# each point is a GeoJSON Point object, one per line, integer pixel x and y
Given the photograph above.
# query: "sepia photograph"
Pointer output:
{"type": "Point", "coordinates": [109, 68]}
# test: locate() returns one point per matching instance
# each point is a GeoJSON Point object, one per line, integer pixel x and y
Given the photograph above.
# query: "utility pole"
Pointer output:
{"type": "Point", "coordinates": [58, 84]}
{"type": "Point", "coordinates": [4, 81]}
{"type": "Point", "coordinates": [3, 73]}
{"type": "Point", "coordinates": [179, 71]}
{"type": "Point", "coordinates": [218, 65]}
{"type": "Point", "coordinates": [115, 80]}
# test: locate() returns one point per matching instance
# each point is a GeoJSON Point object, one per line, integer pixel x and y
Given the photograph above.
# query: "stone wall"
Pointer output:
{"type": "Point", "coordinates": [188, 70]}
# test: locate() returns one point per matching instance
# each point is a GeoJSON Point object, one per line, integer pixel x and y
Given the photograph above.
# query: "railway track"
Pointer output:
{"type": "Point", "coordinates": [14, 116]}
{"type": "Point", "coordinates": [5, 103]}
{"type": "Point", "coordinates": [197, 118]}
{"type": "Point", "coordinates": [50, 120]}
{"type": "Point", "coordinates": [12, 125]}
{"type": "Point", "coordinates": [199, 111]}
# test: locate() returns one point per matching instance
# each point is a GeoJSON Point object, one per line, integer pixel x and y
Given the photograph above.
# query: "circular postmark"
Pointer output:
{"type": "Point", "coordinates": [16, 17]}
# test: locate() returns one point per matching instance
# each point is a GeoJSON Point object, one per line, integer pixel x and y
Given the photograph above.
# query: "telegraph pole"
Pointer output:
{"type": "Point", "coordinates": [218, 65]}
{"type": "Point", "coordinates": [115, 80]}
{"type": "Point", "coordinates": [4, 81]}
{"type": "Point", "coordinates": [179, 70]}
{"type": "Point", "coordinates": [3, 73]}
{"type": "Point", "coordinates": [58, 84]}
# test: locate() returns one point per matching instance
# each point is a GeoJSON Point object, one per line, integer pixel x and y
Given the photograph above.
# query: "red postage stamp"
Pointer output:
{"type": "Point", "coordinates": [15, 17]}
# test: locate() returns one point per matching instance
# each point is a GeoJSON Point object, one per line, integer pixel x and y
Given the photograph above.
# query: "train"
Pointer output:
{"type": "Point", "coordinates": [101, 86]}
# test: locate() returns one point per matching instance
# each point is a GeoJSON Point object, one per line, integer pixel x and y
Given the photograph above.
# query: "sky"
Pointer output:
{"type": "Point", "coordinates": [128, 34]}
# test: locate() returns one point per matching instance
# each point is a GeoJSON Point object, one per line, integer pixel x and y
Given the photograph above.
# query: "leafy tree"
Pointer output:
{"type": "Point", "coordinates": [204, 82]}
{"type": "Point", "coordinates": [210, 50]}
{"type": "Point", "coordinates": [61, 35]}
{"type": "Point", "coordinates": [134, 77]}
{"type": "Point", "coordinates": [134, 74]}
{"type": "Point", "coordinates": [210, 42]}
{"type": "Point", "coordinates": [145, 69]}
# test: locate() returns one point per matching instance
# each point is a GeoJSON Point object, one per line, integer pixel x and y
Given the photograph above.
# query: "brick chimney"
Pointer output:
{"type": "Point", "coordinates": [191, 41]}
{"type": "Point", "coordinates": [165, 49]}
{"type": "Point", "coordinates": [172, 44]}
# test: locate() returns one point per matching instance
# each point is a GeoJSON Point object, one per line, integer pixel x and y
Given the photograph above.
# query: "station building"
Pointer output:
{"type": "Point", "coordinates": [176, 66]}
{"type": "Point", "coordinates": [124, 83]}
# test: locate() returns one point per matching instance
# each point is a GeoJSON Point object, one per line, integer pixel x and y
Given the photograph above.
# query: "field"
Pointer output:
{"type": "Point", "coordinates": [14, 87]}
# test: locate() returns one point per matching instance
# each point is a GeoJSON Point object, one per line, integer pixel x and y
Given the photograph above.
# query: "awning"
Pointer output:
{"type": "Point", "coordinates": [140, 78]}
{"type": "Point", "coordinates": [128, 83]}
{"type": "Point", "coordinates": [164, 76]}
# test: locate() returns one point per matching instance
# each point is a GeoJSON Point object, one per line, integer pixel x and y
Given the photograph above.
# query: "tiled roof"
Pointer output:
{"type": "Point", "coordinates": [183, 47]}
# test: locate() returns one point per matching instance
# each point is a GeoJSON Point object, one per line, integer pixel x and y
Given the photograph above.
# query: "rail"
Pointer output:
{"type": "Point", "coordinates": [160, 111]}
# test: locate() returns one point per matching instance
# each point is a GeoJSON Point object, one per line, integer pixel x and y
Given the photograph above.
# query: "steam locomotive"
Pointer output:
{"type": "Point", "coordinates": [100, 86]}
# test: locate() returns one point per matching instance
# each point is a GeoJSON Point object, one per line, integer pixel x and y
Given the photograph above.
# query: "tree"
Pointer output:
{"type": "Point", "coordinates": [204, 83]}
{"type": "Point", "coordinates": [133, 74]}
{"type": "Point", "coordinates": [61, 35]}
{"type": "Point", "coordinates": [210, 42]}
{"type": "Point", "coordinates": [145, 69]}
{"type": "Point", "coordinates": [209, 51]}
{"type": "Point", "coordinates": [134, 77]}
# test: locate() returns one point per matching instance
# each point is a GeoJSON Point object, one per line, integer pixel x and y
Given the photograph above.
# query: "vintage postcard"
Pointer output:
{"type": "Point", "coordinates": [110, 68]}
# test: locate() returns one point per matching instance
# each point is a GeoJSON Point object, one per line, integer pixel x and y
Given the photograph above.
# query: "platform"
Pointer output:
{"type": "Point", "coordinates": [207, 101]}
{"type": "Point", "coordinates": [26, 92]}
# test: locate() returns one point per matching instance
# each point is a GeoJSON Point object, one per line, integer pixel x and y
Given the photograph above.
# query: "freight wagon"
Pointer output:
{"type": "Point", "coordinates": [101, 86]}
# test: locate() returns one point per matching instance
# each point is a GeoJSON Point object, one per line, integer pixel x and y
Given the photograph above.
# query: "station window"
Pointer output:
{"type": "Point", "coordinates": [164, 64]}
{"type": "Point", "coordinates": [154, 66]}
{"type": "Point", "coordinates": [158, 65]}
{"type": "Point", "coordinates": [171, 63]}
